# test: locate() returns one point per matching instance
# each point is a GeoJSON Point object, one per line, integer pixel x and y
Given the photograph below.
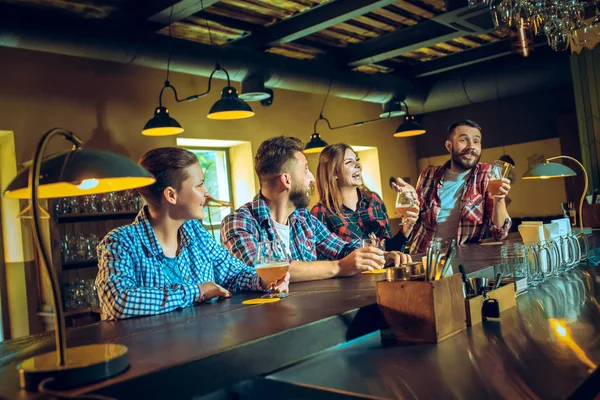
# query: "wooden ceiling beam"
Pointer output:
{"type": "Point", "coordinates": [311, 21]}
{"type": "Point", "coordinates": [181, 9]}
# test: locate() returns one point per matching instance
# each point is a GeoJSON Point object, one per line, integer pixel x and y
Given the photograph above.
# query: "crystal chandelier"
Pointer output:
{"type": "Point", "coordinates": [561, 21]}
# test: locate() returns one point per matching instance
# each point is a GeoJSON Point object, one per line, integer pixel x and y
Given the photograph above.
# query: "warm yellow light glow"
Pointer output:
{"type": "Point", "coordinates": [162, 131]}
{"type": "Point", "coordinates": [564, 336]}
{"type": "Point", "coordinates": [88, 184]}
{"type": "Point", "coordinates": [410, 133]}
{"type": "Point", "coordinates": [64, 189]}
{"type": "Point", "coordinates": [231, 115]}
{"type": "Point", "coordinates": [560, 329]}
{"type": "Point", "coordinates": [314, 150]}
{"type": "Point", "coordinates": [544, 177]}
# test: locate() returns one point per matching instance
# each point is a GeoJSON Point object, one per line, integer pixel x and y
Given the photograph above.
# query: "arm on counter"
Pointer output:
{"type": "Point", "coordinates": [119, 292]}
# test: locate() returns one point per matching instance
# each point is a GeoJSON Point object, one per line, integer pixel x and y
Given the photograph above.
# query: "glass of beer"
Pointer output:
{"type": "Point", "coordinates": [500, 169]}
{"type": "Point", "coordinates": [405, 201]}
{"type": "Point", "coordinates": [272, 263]}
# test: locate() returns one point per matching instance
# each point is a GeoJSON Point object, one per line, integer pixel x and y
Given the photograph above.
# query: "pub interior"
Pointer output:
{"type": "Point", "coordinates": [509, 313]}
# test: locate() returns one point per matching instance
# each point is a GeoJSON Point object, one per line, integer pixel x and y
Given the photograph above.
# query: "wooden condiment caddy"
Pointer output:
{"type": "Point", "coordinates": [421, 311]}
{"type": "Point", "coordinates": [505, 295]}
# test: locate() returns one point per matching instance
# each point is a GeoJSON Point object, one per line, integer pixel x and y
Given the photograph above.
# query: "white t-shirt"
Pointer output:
{"type": "Point", "coordinates": [283, 231]}
{"type": "Point", "coordinates": [450, 193]}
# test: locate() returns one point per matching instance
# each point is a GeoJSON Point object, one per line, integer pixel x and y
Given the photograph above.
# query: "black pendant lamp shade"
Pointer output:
{"type": "Point", "coordinates": [162, 124]}
{"type": "Point", "coordinates": [315, 145]}
{"type": "Point", "coordinates": [409, 127]}
{"type": "Point", "coordinates": [230, 106]}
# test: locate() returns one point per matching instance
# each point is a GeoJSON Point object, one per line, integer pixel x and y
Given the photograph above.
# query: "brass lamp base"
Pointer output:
{"type": "Point", "coordinates": [86, 364]}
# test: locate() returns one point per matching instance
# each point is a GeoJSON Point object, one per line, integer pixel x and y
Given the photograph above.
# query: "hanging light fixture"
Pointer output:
{"type": "Point", "coordinates": [229, 106]}
{"type": "Point", "coordinates": [253, 88]}
{"type": "Point", "coordinates": [409, 127]}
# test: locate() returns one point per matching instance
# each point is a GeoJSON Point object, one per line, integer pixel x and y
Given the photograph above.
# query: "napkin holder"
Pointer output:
{"type": "Point", "coordinates": [421, 311]}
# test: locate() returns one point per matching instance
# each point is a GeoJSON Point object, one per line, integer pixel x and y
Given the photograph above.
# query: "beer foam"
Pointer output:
{"type": "Point", "coordinates": [273, 265]}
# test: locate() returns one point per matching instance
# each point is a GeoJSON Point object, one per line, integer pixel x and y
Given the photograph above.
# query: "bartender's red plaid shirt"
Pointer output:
{"type": "Point", "coordinates": [475, 209]}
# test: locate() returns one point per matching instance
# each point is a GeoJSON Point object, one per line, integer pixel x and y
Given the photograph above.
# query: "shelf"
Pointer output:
{"type": "Point", "coordinates": [92, 262]}
{"type": "Point", "coordinates": [67, 218]}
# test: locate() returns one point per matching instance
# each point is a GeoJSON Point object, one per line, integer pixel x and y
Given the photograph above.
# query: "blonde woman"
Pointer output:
{"type": "Point", "coordinates": [347, 207]}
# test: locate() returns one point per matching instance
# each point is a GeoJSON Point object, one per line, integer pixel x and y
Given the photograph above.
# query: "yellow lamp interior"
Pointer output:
{"type": "Point", "coordinates": [314, 150]}
{"type": "Point", "coordinates": [409, 133]}
{"type": "Point", "coordinates": [223, 115]}
{"type": "Point", "coordinates": [65, 189]}
{"type": "Point", "coordinates": [162, 131]}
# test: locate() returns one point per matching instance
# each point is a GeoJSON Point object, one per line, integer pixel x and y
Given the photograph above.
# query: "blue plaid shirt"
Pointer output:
{"type": "Point", "coordinates": [132, 278]}
{"type": "Point", "coordinates": [310, 240]}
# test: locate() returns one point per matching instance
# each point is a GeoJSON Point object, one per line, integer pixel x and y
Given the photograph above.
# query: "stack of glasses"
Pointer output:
{"type": "Point", "coordinates": [547, 250]}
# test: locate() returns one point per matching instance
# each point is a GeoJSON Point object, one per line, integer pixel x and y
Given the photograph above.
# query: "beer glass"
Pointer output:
{"type": "Point", "coordinates": [272, 263]}
{"type": "Point", "coordinates": [499, 169]}
{"type": "Point", "coordinates": [405, 201]}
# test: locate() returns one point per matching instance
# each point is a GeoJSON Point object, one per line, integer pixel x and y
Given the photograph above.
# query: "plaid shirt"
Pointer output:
{"type": "Point", "coordinates": [132, 280]}
{"type": "Point", "coordinates": [476, 208]}
{"type": "Point", "coordinates": [370, 217]}
{"type": "Point", "coordinates": [310, 240]}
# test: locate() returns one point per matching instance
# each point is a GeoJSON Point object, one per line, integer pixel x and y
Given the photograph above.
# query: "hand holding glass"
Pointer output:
{"type": "Point", "coordinates": [405, 202]}
{"type": "Point", "coordinates": [272, 263]}
{"type": "Point", "coordinates": [498, 171]}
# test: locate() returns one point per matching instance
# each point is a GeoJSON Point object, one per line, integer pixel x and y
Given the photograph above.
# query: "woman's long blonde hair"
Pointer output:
{"type": "Point", "coordinates": [331, 161]}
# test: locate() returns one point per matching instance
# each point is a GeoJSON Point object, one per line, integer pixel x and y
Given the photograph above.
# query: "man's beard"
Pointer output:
{"type": "Point", "coordinates": [299, 196]}
{"type": "Point", "coordinates": [466, 165]}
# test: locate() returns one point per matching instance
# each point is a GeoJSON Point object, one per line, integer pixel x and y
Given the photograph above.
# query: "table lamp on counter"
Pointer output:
{"type": "Point", "coordinates": [77, 172]}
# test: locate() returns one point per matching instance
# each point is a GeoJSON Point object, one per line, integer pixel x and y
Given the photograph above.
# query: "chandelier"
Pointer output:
{"type": "Point", "coordinates": [562, 21]}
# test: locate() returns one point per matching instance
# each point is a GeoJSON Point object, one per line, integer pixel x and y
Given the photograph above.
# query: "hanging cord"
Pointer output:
{"type": "Point", "coordinates": [170, 40]}
{"type": "Point", "coordinates": [206, 22]}
{"type": "Point", "coordinates": [60, 395]}
{"type": "Point", "coordinates": [499, 113]}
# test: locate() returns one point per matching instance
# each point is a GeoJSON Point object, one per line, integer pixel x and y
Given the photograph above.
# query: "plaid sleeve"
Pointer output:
{"type": "Point", "coordinates": [240, 237]}
{"type": "Point", "coordinates": [498, 233]}
{"type": "Point", "coordinates": [230, 272]}
{"type": "Point", "coordinates": [329, 245]}
{"type": "Point", "coordinates": [383, 218]}
{"type": "Point", "coordinates": [318, 211]}
{"type": "Point", "coordinates": [120, 294]}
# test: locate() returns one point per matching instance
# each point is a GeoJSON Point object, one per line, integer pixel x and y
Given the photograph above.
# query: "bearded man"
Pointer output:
{"type": "Point", "coordinates": [454, 199]}
{"type": "Point", "coordinates": [279, 212]}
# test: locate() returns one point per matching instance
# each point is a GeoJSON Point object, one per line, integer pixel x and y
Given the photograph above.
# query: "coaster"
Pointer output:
{"type": "Point", "coordinates": [261, 301]}
{"type": "Point", "coordinates": [375, 271]}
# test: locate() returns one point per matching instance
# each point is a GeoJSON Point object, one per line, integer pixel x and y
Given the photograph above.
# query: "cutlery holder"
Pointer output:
{"type": "Point", "coordinates": [421, 311]}
{"type": "Point", "coordinates": [505, 295]}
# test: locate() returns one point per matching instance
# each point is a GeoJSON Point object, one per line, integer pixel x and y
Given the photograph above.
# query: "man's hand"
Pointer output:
{"type": "Point", "coordinates": [281, 286]}
{"type": "Point", "coordinates": [364, 259]}
{"type": "Point", "coordinates": [401, 186]}
{"type": "Point", "coordinates": [504, 189]}
{"type": "Point", "coordinates": [396, 258]}
{"type": "Point", "coordinates": [211, 290]}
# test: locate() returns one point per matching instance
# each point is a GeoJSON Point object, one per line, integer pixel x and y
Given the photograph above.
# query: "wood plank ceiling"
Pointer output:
{"type": "Point", "coordinates": [226, 22]}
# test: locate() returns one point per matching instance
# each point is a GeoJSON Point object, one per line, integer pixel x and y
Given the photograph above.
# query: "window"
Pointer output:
{"type": "Point", "coordinates": [215, 164]}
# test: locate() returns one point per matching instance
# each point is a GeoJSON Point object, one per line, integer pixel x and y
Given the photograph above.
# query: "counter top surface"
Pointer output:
{"type": "Point", "coordinates": [203, 348]}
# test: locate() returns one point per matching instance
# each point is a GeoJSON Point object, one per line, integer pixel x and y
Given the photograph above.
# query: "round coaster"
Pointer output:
{"type": "Point", "coordinates": [375, 271]}
{"type": "Point", "coordinates": [261, 301]}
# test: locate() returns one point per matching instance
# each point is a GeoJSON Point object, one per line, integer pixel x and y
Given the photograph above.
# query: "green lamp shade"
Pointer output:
{"type": "Point", "coordinates": [230, 106]}
{"type": "Point", "coordinates": [548, 170]}
{"type": "Point", "coordinates": [81, 172]}
{"type": "Point", "coordinates": [409, 128]}
{"type": "Point", "coordinates": [162, 124]}
{"type": "Point", "coordinates": [315, 145]}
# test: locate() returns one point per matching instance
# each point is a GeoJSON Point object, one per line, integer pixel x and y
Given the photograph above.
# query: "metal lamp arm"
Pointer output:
{"type": "Point", "coordinates": [585, 188]}
{"type": "Point", "coordinates": [167, 85]}
{"type": "Point", "coordinates": [333, 128]}
{"type": "Point", "coordinates": [34, 182]}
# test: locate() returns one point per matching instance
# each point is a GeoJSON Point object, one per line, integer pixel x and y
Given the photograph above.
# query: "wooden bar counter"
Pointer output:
{"type": "Point", "coordinates": [199, 350]}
